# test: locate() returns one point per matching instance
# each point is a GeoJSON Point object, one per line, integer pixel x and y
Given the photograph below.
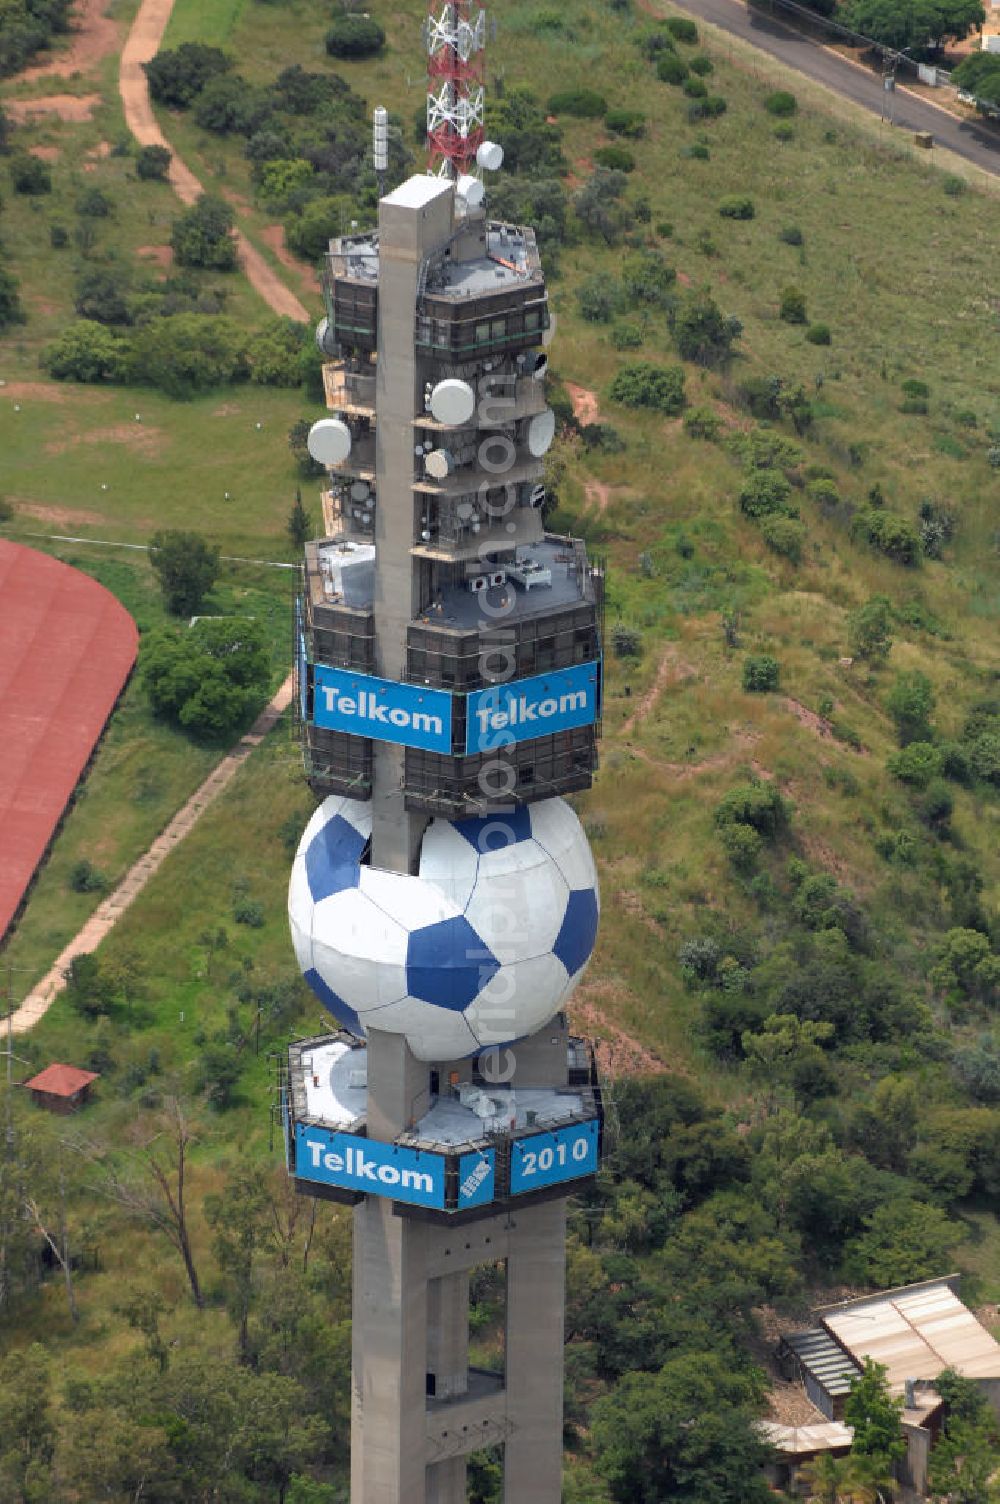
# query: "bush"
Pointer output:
{"type": "Point", "coordinates": [889, 534]}
{"type": "Point", "coordinates": [209, 678]}
{"type": "Point", "coordinates": [743, 846]}
{"type": "Point", "coordinates": [102, 295]}
{"type": "Point", "coordinates": [737, 207]}
{"type": "Point", "coordinates": [29, 174]}
{"type": "Point", "coordinates": [85, 878]}
{"type": "Point", "coordinates": [824, 494]}
{"type": "Point", "coordinates": [585, 104]}
{"type": "Point", "coordinates": [702, 332]}
{"type": "Point", "coordinates": [617, 158]}
{"type": "Point", "coordinates": [791, 235]}
{"type": "Point", "coordinates": [627, 336]}
{"type": "Point", "coordinates": [784, 131]}
{"type": "Point", "coordinates": [202, 235]}
{"type": "Point", "coordinates": [93, 204]}
{"type": "Point", "coordinates": [187, 353]}
{"type": "Point", "coordinates": [869, 628]}
{"type": "Point", "coordinates": [626, 641]}
{"type": "Point", "coordinates": [230, 104]}
{"type": "Point", "coordinates": [670, 69]}
{"type": "Point", "coordinates": [914, 388]}
{"type": "Point", "coordinates": [58, 237]}
{"type": "Point", "coordinates": [695, 88]}
{"type": "Point", "coordinates": [702, 423]}
{"type": "Point", "coordinates": [354, 36]}
{"type": "Point", "coordinates": [781, 103]}
{"type": "Point", "coordinates": [793, 306]}
{"type": "Point", "coordinates": [761, 673]}
{"type": "Point", "coordinates": [648, 278]}
{"type": "Point", "coordinates": [696, 151]}
{"type": "Point", "coordinates": [701, 65]}
{"type": "Point", "coordinates": [653, 43]}
{"type": "Point", "coordinates": [11, 311]}
{"type": "Point", "coordinates": [682, 30]}
{"type": "Point", "coordinates": [250, 913]}
{"type": "Point", "coordinates": [177, 76]}
{"type": "Point", "coordinates": [757, 803]}
{"type": "Point", "coordinates": [764, 493]}
{"type": "Point", "coordinates": [630, 123]}
{"type": "Point", "coordinates": [916, 764]}
{"type": "Point", "coordinates": [645, 385]}
{"type": "Point", "coordinates": [86, 351]}
{"type": "Point", "coordinates": [910, 702]}
{"type": "Point", "coordinates": [152, 162]}
{"type": "Point", "coordinates": [785, 536]}
{"type": "Point", "coordinates": [818, 334]}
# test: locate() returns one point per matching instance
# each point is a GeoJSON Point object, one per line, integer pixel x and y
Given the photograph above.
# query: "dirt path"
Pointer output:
{"type": "Point", "coordinates": [94, 35]}
{"type": "Point", "coordinates": [107, 913]}
{"type": "Point", "coordinates": [141, 44]}
{"type": "Point", "coordinates": [671, 669]}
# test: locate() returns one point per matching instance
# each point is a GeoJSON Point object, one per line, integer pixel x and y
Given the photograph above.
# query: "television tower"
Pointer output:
{"type": "Point", "coordinates": [443, 901]}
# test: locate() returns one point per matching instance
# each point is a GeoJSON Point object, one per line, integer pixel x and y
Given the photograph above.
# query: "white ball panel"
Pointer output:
{"type": "Point", "coordinates": [519, 918]}
{"type": "Point", "coordinates": [432, 1033]}
{"type": "Point", "coordinates": [557, 829]}
{"type": "Point", "coordinates": [412, 902]}
{"type": "Point", "coordinates": [518, 1000]}
{"type": "Point", "coordinates": [514, 862]}
{"type": "Point", "coordinates": [449, 862]}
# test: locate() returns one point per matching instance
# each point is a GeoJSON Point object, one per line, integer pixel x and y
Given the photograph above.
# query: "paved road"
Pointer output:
{"type": "Point", "coordinates": [973, 141]}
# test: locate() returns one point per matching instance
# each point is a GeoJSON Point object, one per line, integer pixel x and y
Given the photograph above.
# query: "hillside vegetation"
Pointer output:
{"type": "Point", "coordinates": [780, 422]}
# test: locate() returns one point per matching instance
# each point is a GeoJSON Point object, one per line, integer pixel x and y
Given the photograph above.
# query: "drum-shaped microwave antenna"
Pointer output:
{"type": "Point", "coordinates": [470, 189]}
{"type": "Point", "coordinates": [453, 402]}
{"type": "Point", "coordinates": [329, 441]}
{"type": "Point", "coordinates": [489, 156]}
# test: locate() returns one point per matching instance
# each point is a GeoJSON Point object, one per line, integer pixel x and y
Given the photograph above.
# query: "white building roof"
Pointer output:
{"type": "Point", "coordinates": [804, 1441]}
{"type": "Point", "coordinates": [916, 1332]}
{"type": "Point", "coordinates": [419, 191]}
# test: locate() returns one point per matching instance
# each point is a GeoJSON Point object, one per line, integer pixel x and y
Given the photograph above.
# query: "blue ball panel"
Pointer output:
{"type": "Point", "coordinates": [333, 857]}
{"type": "Point", "coordinates": [333, 1003]}
{"type": "Point", "coordinates": [448, 964]}
{"type": "Point", "coordinates": [494, 832]}
{"type": "Point", "coordinates": [575, 940]}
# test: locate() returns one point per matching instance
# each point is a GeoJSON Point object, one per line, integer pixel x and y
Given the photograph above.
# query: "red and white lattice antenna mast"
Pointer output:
{"type": "Point", "coordinates": [456, 85]}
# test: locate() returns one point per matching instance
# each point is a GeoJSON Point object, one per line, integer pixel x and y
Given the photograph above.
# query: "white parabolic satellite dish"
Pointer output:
{"type": "Point", "coordinates": [453, 402]}
{"type": "Point", "coordinates": [471, 189]}
{"type": "Point", "coordinates": [541, 432]}
{"type": "Point", "coordinates": [329, 441]}
{"type": "Point", "coordinates": [438, 464]}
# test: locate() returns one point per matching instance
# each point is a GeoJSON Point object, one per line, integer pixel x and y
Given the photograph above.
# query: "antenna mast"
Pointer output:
{"type": "Point", "coordinates": [455, 33]}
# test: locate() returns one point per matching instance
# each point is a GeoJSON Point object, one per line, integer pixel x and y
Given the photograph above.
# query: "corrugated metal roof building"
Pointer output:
{"type": "Point", "coordinates": [825, 1369]}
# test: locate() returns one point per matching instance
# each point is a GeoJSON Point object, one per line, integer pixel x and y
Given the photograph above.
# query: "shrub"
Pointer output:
{"type": "Point", "coordinates": [916, 764]}
{"type": "Point", "coordinates": [93, 204]}
{"type": "Point", "coordinates": [696, 151]}
{"type": "Point", "coordinates": [743, 846]}
{"type": "Point", "coordinates": [910, 702]}
{"type": "Point", "coordinates": [793, 306]}
{"type": "Point", "coordinates": [914, 388]}
{"type": "Point", "coordinates": [620, 122]}
{"type": "Point", "coordinates": [648, 278]}
{"type": "Point", "coordinates": [781, 103]}
{"type": "Point", "coordinates": [917, 405]}
{"type": "Point", "coordinates": [761, 673]}
{"type": "Point", "coordinates": [694, 88]}
{"type": "Point", "coordinates": [818, 334]}
{"type": "Point", "coordinates": [784, 131]}
{"type": "Point", "coordinates": [177, 76]}
{"type": "Point", "coordinates": [702, 423]}
{"type": "Point", "coordinates": [937, 804]}
{"type": "Point", "coordinates": [599, 299]}
{"type": "Point", "coordinates": [670, 69]}
{"type": "Point", "coordinates": [250, 913]}
{"type": "Point", "coordinates": [85, 878]}
{"type": "Point", "coordinates": [11, 311]}
{"type": "Point", "coordinates": [231, 104]}
{"type": "Point", "coordinates": [626, 641]}
{"type": "Point", "coordinates": [275, 353]}
{"type": "Point", "coordinates": [888, 534]}
{"type": "Point", "coordinates": [187, 353]}
{"type": "Point", "coordinates": [682, 29]}
{"type": "Point", "coordinates": [86, 351]}
{"type": "Point", "coordinates": [645, 385]}
{"type": "Point", "coordinates": [6, 510]}
{"type": "Point", "coordinates": [757, 803]}
{"type": "Point", "coordinates": [701, 65]}
{"type": "Point", "coordinates": [354, 36]}
{"type": "Point", "coordinates": [764, 493]}
{"type": "Point", "coordinates": [824, 494]}
{"type": "Point", "coordinates": [102, 295]}
{"type": "Point", "coordinates": [664, 229]}
{"type": "Point", "coordinates": [585, 104]}
{"type": "Point", "coordinates": [868, 630]}
{"type": "Point", "coordinates": [627, 336]}
{"type": "Point", "coordinates": [29, 174]}
{"type": "Point", "coordinates": [58, 237]}
{"type": "Point", "coordinates": [736, 206]}
{"type": "Point", "coordinates": [785, 536]}
{"type": "Point", "coordinates": [791, 235]}
{"type": "Point", "coordinates": [954, 186]}
{"type": "Point", "coordinates": [652, 43]}
{"type": "Point", "coordinates": [617, 158]}
{"type": "Point", "coordinates": [152, 162]}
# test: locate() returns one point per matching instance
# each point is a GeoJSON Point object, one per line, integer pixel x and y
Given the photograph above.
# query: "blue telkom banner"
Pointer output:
{"type": "Point", "coordinates": [526, 708]}
{"type": "Point", "coordinates": [392, 1170]}
{"type": "Point", "coordinates": [408, 714]}
{"type": "Point", "coordinates": [361, 1164]}
{"type": "Point", "coordinates": [548, 1158]}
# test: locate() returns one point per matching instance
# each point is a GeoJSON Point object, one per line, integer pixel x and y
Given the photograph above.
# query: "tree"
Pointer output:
{"type": "Point", "coordinates": [27, 1431]}
{"type": "Point", "coordinates": [298, 434]}
{"type": "Point", "coordinates": [910, 702]}
{"type": "Point", "coordinates": [203, 235]}
{"type": "Point", "coordinates": [187, 353]}
{"type": "Point", "coordinates": [210, 678]}
{"type": "Point", "coordinates": [788, 1050]}
{"type": "Point", "coordinates": [979, 74]}
{"type": "Point", "coordinates": [29, 175]}
{"type": "Point", "coordinates": [761, 673]}
{"type": "Point", "coordinates": [354, 36]}
{"type": "Point", "coordinates": [785, 536]}
{"type": "Point", "coordinates": [869, 628]}
{"type": "Point", "coordinates": [275, 353]}
{"type": "Point", "coordinates": [152, 163]}
{"type": "Point", "coordinates": [967, 965]}
{"type": "Point", "coordinates": [241, 1223]}
{"type": "Point", "coordinates": [187, 566]}
{"type": "Point", "coordinates": [101, 295]}
{"type": "Point", "coordinates": [177, 76]}
{"type": "Point", "coordinates": [702, 332]}
{"type": "Point", "coordinates": [299, 523]}
{"type": "Point", "coordinates": [11, 309]}
{"type": "Point", "coordinates": [902, 1241]}
{"type": "Point", "coordinates": [764, 493]}
{"type": "Point", "coordinates": [875, 1415]}
{"type": "Point", "coordinates": [686, 1434]}
{"type": "Point", "coordinates": [793, 306]}
{"type": "Point", "coordinates": [913, 24]}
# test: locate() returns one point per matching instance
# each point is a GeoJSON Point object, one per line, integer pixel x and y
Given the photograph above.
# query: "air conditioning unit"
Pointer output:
{"type": "Point", "coordinates": [499, 577]}
{"type": "Point", "coordinates": [478, 583]}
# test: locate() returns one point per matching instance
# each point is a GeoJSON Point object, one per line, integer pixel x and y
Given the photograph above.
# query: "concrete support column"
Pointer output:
{"type": "Point", "coordinates": [536, 1298]}
{"type": "Point", "coordinates": [448, 1334]}
{"type": "Point", "coordinates": [447, 1482]}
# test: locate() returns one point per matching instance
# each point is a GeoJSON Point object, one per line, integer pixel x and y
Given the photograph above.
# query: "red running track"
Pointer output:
{"type": "Point", "coordinates": [66, 650]}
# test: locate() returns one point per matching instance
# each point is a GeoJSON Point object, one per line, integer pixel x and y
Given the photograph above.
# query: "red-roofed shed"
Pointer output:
{"type": "Point", "coordinates": [61, 1088]}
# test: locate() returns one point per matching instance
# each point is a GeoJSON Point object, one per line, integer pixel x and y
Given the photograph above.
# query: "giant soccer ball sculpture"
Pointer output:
{"type": "Point", "coordinates": [482, 947]}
